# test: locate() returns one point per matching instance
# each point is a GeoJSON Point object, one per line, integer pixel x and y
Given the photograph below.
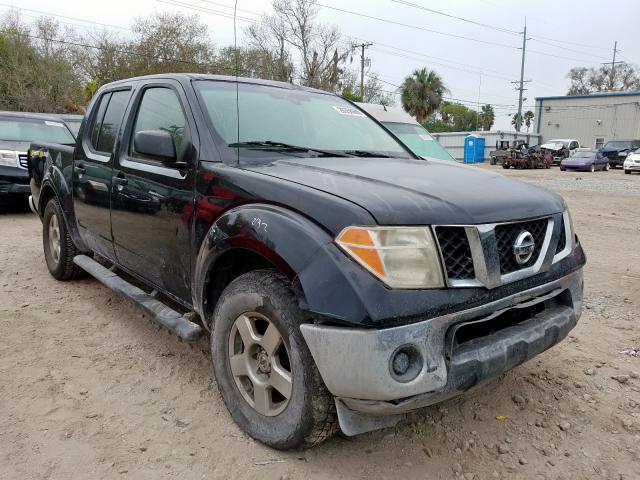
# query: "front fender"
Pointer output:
{"type": "Point", "coordinates": [285, 238]}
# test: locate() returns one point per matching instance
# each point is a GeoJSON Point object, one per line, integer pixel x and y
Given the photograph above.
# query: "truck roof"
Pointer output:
{"type": "Point", "coordinates": [223, 78]}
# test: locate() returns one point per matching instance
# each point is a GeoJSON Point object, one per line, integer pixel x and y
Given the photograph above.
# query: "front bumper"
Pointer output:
{"type": "Point", "coordinates": [355, 363]}
{"type": "Point", "coordinates": [632, 166]}
{"type": "Point", "coordinates": [14, 181]}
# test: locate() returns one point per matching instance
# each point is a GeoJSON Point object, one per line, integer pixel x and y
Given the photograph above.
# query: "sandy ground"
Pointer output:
{"type": "Point", "coordinates": [91, 389]}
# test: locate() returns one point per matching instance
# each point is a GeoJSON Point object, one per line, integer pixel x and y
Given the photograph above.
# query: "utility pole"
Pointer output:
{"type": "Point", "coordinates": [522, 81]}
{"type": "Point", "coordinates": [612, 75]}
{"type": "Point", "coordinates": [362, 46]}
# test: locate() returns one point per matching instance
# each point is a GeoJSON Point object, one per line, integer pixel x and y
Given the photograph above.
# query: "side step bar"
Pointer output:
{"type": "Point", "coordinates": [159, 312]}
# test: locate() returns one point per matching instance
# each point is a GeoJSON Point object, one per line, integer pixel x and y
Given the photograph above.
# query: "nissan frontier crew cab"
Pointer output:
{"type": "Point", "coordinates": [342, 280]}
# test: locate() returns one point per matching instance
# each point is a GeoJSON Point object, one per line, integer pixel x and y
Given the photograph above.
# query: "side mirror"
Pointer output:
{"type": "Point", "coordinates": [155, 143]}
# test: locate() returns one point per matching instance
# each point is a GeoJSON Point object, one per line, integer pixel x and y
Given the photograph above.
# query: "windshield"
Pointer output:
{"type": "Point", "coordinates": [563, 142]}
{"type": "Point", "coordinates": [17, 129]}
{"type": "Point", "coordinates": [617, 144]}
{"type": "Point", "coordinates": [273, 121]}
{"type": "Point", "coordinates": [418, 140]}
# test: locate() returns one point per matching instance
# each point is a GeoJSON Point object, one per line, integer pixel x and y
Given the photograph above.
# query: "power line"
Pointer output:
{"type": "Point", "coordinates": [438, 12]}
{"type": "Point", "coordinates": [416, 27]}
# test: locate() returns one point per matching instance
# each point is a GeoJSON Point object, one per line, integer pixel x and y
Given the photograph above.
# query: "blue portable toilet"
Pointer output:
{"type": "Point", "coordinates": [474, 149]}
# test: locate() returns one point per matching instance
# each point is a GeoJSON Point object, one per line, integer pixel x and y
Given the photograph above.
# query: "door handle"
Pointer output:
{"type": "Point", "coordinates": [79, 169]}
{"type": "Point", "coordinates": [119, 181]}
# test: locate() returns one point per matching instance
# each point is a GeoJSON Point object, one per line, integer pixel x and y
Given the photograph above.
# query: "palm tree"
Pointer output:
{"type": "Point", "coordinates": [421, 93]}
{"type": "Point", "coordinates": [528, 119]}
{"type": "Point", "coordinates": [487, 117]}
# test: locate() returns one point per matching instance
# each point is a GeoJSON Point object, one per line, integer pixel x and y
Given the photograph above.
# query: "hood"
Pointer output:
{"type": "Point", "coordinates": [21, 147]}
{"type": "Point", "coordinates": [418, 192]}
{"type": "Point", "coordinates": [552, 146]}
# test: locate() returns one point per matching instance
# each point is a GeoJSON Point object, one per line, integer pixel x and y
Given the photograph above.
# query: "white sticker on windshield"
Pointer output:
{"type": "Point", "coordinates": [425, 137]}
{"type": "Point", "coordinates": [53, 124]}
{"type": "Point", "coordinates": [352, 112]}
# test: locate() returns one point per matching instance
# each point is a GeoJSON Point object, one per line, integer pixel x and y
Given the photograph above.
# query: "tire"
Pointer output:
{"type": "Point", "coordinates": [592, 168]}
{"type": "Point", "coordinates": [505, 166]}
{"type": "Point", "coordinates": [628, 172]}
{"type": "Point", "coordinates": [308, 416]}
{"type": "Point", "coordinates": [612, 166]}
{"type": "Point", "coordinates": [606, 167]}
{"type": "Point", "coordinates": [562, 169]}
{"type": "Point", "coordinates": [54, 233]}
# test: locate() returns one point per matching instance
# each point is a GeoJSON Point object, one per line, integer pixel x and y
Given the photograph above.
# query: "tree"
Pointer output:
{"type": "Point", "coordinates": [252, 62]}
{"type": "Point", "coordinates": [590, 80]}
{"type": "Point", "coordinates": [421, 93]}
{"type": "Point", "coordinates": [38, 74]}
{"type": "Point", "coordinates": [528, 119]}
{"type": "Point", "coordinates": [373, 89]}
{"type": "Point", "coordinates": [452, 117]}
{"type": "Point", "coordinates": [487, 117]}
{"type": "Point", "coordinates": [319, 47]}
{"type": "Point", "coordinates": [514, 120]}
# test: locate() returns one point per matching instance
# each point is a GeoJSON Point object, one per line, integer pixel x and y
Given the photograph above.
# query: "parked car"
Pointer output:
{"type": "Point", "coordinates": [560, 148]}
{"type": "Point", "coordinates": [72, 122]}
{"type": "Point", "coordinates": [632, 162]}
{"type": "Point", "coordinates": [585, 161]}
{"type": "Point", "coordinates": [616, 151]}
{"type": "Point", "coordinates": [404, 127]}
{"type": "Point", "coordinates": [343, 280]}
{"type": "Point", "coordinates": [17, 131]}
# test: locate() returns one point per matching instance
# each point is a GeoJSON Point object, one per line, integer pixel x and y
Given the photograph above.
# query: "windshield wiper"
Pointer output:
{"type": "Point", "coordinates": [366, 153]}
{"type": "Point", "coordinates": [281, 145]}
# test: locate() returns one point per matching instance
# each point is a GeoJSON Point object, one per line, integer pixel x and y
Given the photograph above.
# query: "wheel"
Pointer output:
{"type": "Point", "coordinates": [613, 167]}
{"type": "Point", "coordinates": [628, 172]}
{"type": "Point", "coordinates": [592, 168]}
{"type": "Point", "coordinates": [562, 169]}
{"type": "Point", "coordinates": [505, 166]}
{"type": "Point", "coordinates": [59, 248]}
{"type": "Point", "coordinates": [606, 167]}
{"type": "Point", "coordinates": [264, 370]}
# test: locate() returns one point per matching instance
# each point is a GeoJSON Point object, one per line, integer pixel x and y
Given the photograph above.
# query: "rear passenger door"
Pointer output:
{"type": "Point", "coordinates": [92, 170]}
{"type": "Point", "coordinates": [152, 200]}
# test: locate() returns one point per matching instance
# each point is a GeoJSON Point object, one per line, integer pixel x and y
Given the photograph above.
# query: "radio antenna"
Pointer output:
{"type": "Point", "coordinates": [237, 67]}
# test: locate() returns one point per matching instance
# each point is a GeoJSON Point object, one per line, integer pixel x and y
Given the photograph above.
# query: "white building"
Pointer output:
{"type": "Point", "coordinates": [453, 142]}
{"type": "Point", "coordinates": [591, 119]}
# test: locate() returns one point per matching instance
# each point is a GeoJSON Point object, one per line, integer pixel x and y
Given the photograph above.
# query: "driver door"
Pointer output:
{"type": "Point", "coordinates": [152, 199]}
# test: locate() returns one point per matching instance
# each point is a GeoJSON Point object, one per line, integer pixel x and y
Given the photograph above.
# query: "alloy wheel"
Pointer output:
{"type": "Point", "coordinates": [54, 238]}
{"type": "Point", "coordinates": [260, 363]}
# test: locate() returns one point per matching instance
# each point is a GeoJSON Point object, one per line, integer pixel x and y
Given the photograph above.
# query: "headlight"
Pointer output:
{"type": "Point", "coordinates": [402, 257]}
{"type": "Point", "coordinates": [8, 158]}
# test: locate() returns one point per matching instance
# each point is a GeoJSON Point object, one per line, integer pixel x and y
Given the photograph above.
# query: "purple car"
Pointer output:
{"type": "Point", "coordinates": [585, 161]}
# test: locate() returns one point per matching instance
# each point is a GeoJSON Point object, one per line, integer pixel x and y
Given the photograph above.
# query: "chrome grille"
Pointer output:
{"type": "Point", "coordinates": [456, 252]}
{"type": "Point", "coordinates": [562, 241]}
{"type": "Point", "coordinates": [23, 160]}
{"type": "Point", "coordinates": [506, 235]}
{"type": "Point", "coordinates": [483, 255]}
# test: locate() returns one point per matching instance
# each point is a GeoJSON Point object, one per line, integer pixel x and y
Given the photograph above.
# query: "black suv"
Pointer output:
{"type": "Point", "coordinates": [343, 280]}
{"type": "Point", "coordinates": [17, 131]}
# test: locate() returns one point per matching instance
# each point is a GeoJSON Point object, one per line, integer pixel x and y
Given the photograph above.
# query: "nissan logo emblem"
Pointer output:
{"type": "Point", "coordinates": [523, 247]}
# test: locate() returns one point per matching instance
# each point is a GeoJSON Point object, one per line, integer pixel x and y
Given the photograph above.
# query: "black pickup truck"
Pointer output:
{"type": "Point", "coordinates": [343, 281]}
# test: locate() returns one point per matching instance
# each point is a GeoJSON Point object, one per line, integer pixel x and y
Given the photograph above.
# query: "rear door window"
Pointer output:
{"type": "Point", "coordinates": [111, 122]}
{"type": "Point", "coordinates": [96, 121]}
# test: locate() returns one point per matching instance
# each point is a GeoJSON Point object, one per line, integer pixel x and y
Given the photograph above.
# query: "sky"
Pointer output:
{"type": "Point", "coordinates": [478, 54]}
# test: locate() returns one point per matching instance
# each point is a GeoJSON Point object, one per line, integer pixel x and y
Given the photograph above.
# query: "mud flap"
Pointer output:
{"type": "Point", "coordinates": [354, 423]}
